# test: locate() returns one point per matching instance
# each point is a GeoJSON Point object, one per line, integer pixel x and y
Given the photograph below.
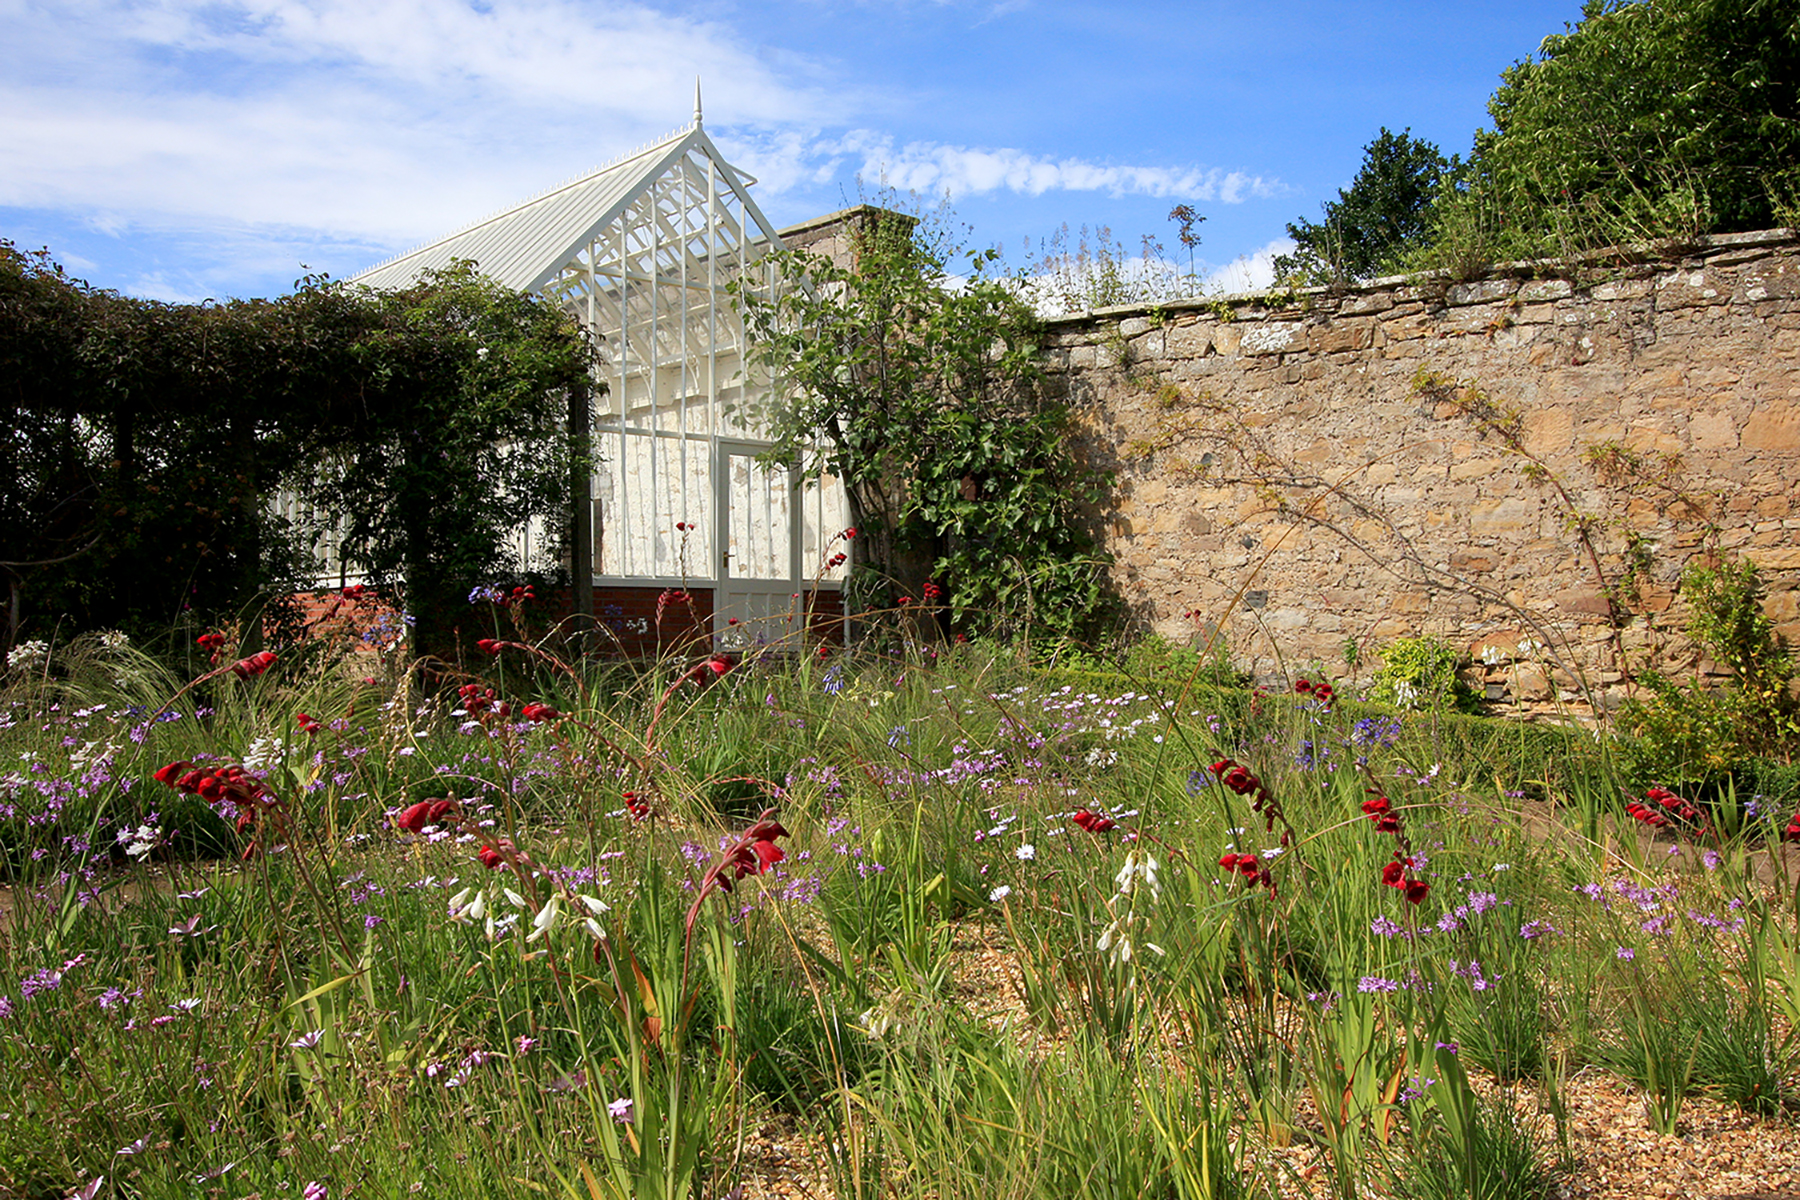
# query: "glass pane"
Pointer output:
{"type": "Point", "coordinates": [759, 536]}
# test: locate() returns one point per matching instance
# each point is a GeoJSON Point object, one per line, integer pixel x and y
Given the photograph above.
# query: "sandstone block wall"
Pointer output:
{"type": "Point", "coordinates": [1531, 455]}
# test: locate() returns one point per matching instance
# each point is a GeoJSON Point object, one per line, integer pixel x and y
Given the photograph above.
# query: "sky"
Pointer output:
{"type": "Point", "coordinates": [208, 150]}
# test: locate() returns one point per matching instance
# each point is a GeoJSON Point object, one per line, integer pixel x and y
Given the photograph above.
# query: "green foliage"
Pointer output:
{"type": "Point", "coordinates": [1422, 672]}
{"type": "Point", "coordinates": [946, 983]}
{"type": "Point", "coordinates": [454, 437]}
{"type": "Point", "coordinates": [1155, 658]}
{"type": "Point", "coordinates": [1383, 217]}
{"type": "Point", "coordinates": [926, 400]}
{"type": "Point", "coordinates": [149, 439]}
{"type": "Point", "coordinates": [143, 438]}
{"type": "Point", "coordinates": [1691, 733]}
{"type": "Point", "coordinates": [1653, 120]}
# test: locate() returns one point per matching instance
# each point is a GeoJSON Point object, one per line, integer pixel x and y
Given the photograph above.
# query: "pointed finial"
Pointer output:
{"type": "Point", "coordinates": [696, 102]}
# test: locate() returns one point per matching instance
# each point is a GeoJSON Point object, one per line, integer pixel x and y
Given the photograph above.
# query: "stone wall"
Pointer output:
{"type": "Point", "coordinates": [1535, 454]}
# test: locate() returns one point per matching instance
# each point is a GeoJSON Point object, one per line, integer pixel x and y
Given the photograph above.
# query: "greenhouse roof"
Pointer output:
{"type": "Point", "coordinates": [527, 245]}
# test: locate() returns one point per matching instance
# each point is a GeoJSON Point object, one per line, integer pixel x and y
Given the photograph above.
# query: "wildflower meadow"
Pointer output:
{"type": "Point", "coordinates": [896, 920]}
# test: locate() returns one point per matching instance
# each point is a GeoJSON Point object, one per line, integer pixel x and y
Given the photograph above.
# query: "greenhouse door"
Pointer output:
{"type": "Point", "coordinates": [759, 535]}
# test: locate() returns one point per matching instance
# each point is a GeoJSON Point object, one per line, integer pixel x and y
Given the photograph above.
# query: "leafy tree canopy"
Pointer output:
{"type": "Point", "coordinates": [926, 398]}
{"type": "Point", "coordinates": [1372, 226]}
{"type": "Point", "coordinates": [143, 442]}
{"type": "Point", "coordinates": [1655, 119]}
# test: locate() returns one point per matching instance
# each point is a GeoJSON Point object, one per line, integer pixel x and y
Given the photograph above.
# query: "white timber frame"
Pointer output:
{"type": "Point", "coordinates": [646, 253]}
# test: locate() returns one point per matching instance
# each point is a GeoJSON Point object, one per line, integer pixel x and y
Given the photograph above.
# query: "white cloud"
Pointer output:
{"type": "Point", "coordinates": [1249, 273]}
{"type": "Point", "coordinates": [933, 168]}
{"type": "Point", "coordinates": [389, 122]}
{"type": "Point", "coordinates": [257, 132]}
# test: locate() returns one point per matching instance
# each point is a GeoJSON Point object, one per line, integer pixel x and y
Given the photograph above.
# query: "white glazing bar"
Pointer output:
{"type": "Point", "coordinates": [656, 554]}
{"type": "Point", "coordinates": [595, 531]}
{"type": "Point", "coordinates": [712, 307]}
{"type": "Point", "coordinates": [681, 400]}
{"type": "Point", "coordinates": [622, 489]}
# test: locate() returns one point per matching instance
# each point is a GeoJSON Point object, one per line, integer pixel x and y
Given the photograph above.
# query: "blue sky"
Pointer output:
{"type": "Point", "coordinates": [190, 150]}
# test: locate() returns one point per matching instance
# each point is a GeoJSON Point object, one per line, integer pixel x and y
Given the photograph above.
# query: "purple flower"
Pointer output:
{"type": "Point", "coordinates": [1387, 927]}
{"type": "Point", "coordinates": [45, 980]}
{"type": "Point", "coordinates": [1375, 983]}
{"type": "Point", "coordinates": [621, 1110]}
{"type": "Point", "coordinates": [314, 1190]}
{"type": "Point", "coordinates": [1625, 952]}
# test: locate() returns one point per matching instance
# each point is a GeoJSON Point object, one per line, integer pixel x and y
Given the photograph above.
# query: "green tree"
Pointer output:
{"type": "Point", "coordinates": [143, 442]}
{"type": "Point", "coordinates": [1656, 119]}
{"type": "Point", "coordinates": [440, 427]}
{"type": "Point", "coordinates": [1384, 216]}
{"type": "Point", "coordinates": [926, 399]}
{"type": "Point", "coordinates": [133, 467]}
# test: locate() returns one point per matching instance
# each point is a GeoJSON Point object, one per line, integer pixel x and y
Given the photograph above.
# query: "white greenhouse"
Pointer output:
{"type": "Point", "coordinates": [643, 252]}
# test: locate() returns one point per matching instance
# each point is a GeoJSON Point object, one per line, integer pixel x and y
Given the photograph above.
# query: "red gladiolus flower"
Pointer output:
{"type": "Point", "coordinates": [256, 664]}
{"type": "Point", "coordinates": [488, 646]}
{"type": "Point", "coordinates": [824, 650]}
{"type": "Point", "coordinates": [1416, 891]}
{"type": "Point", "coordinates": [850, 532]}
{"type": "Point", "coordinates": [490, 858]}
{"type": "Point", "coordinates": [307, 724]}
{"type": "Point", "coordinates": [210, 641]}
{"type": "Point", "coordinates": [168, 775]}
{"type": "Point", "coordinates": [1394, 874]}
{"type": "Point", "coordinates": [767, 855]}
{"type": "Point", "coordinates": [1377, 806]}
{"type": "Point", "coordinates": [539, 712]}
{"type": "Point", "coordinates": [1324, 693]}
{"type": "Point", "coordinates": [721, 665]}
{"type": "Point", "coordinates": [1792, 832]}
{"type": "Point", "coordinates": [414, 817]}
{"type": "Point", "coordinates": [636, 805]}
{"type": "Point", "coordinates": [1302, 686]}
{"type": "Point", "coordinates": [1093, 822]}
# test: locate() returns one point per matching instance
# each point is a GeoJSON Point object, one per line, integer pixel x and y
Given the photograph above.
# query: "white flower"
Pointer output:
{"type": "Point", "coordinates": [264, 753]}
{"type": "Point", "coordinates": [517, 900]}
{"type": "Point", "coordinates": [876, 1021]}
{"type": "Point", "coordinates": [112, 639]}
{"type": "Point", "coordinates": [1492, 655]}
{"type": "Point", "coordinates": [307, 1041]}
{"type": "Point", "coordinates": [140, 841]}
{"type": "Point", "coordinates": [1114, 944]}
{"type": "Point", "coordinates": [597, 907]}
{"type": "Point", "coordinates": [1138, 866]}
{"type": "Point", "coordinates": [545, 919]}
{"type": "Point", "coordinates": [1025, 853]}
{"type": "Point", "coordinates": [28, 656]}
{"type": "Point", "coordinates": [464, 909]}
{"type": "Point", "coordinates": [1000, 893]}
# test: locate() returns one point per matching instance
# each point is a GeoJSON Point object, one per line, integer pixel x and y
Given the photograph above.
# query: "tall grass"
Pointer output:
{"type": "Point", "coordinates": [1020, 933]}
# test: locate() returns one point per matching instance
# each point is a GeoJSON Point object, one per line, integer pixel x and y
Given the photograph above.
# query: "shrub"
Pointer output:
{"type": "Point", "coordinates": [1694, 733]}
{"type": "Point", "coordinates": [1422, 672]}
